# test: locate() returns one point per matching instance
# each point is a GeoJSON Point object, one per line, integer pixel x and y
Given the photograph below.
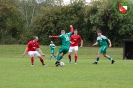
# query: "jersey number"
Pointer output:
{"type": "Point", "coordinates": [67, 38]}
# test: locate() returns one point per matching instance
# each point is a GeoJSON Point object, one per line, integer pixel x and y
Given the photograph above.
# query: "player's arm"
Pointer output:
{"type": "Point", "coordinates": [109, 43]}
{"type": "Point", "coordinates": [54, 46]}
{"type": "Point", "coordinates": [81, 41]}
{"type": "Point", "coordinates": [71, 42]}
{"type": "Point", "coordinates": [81, 44]}
{"type": "Point", "coordinates": [25, 51]}
{"type": "Point", "coordinates": [95, 44]}
{"type": "Point", "coordinates": [40, 51]}
{"type": "Point", "coordinates": [55, 37]}
{"type": "Point", "coordinates": [50, 46]}
{"type": "Point", "coordinates": [71, 29]}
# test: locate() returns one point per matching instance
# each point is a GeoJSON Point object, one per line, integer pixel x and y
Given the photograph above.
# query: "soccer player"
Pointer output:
{"type": "Point", "coordinates": [74, 39]}
{"type": "Point", "coordinates": [65, 37]}
{"type": "Point", "coordinates": [52, 47]}
{"type": "Point", "coordinates": [102, 41]}
{"type": "Point", "coordinates": [31, 49]}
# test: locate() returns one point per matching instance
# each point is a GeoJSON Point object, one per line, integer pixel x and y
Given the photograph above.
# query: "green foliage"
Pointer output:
{"type": "Point", "coordinates": [11, 22]}
{"type": "Point", "coordinates": [7, 39]}
{"type": "Point", "coordinates": [56, 18]}
{"type": "Point", "coordinates": [27, 35]}
{"type": "Point", "coordinates": [21, 20]}
{"type": "Point", "coordinates": [112, 25]}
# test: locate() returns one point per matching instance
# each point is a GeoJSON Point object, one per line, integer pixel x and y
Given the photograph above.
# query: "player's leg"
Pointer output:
{"type": "Point", "coordinates": [40, 57]}
{"type": "Point", "coordinates": [50, 57]}
{"type": "Point", "coordinates": [58, 53]}
{"type": "Point", "coordinates": [42, 61]}
{"type": "Point", "coordinates": [75, 54]}
{"type": "Point", "coordinates": [62, 55]}
{"type": "Point", "coordinates": [31, 57]}
{"type": "Point", "coordinates": [58, 56]}
{"type": "Point", "coordinates": [105, 55]}
{"type": "Point", "coordinates": [53, 53]}
{"type": "Point", "coordinates": [62, 50]}
{"type": "Point", "coordinates": [65, 50]}
{"type": "Point", "coordinates": [69, 57]}
{"type": "Point", "coordinates": [98, 55]}
{"type": "Point", "coordinates": [57, 63]}
{"type": "Point", "coordinates": [69, 54]}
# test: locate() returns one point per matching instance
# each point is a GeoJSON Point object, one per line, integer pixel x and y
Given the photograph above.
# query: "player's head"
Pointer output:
{"type": "Point", "coordinates": [75, 31]}
{"type": "Point", "coordinates": [62, 31]}
{"type": "Point", "coordinates": [51, 42]}
{"type": "Point", "coordinates": [35, 38]}
{"type": "Point", "coordinates": [99, 32]}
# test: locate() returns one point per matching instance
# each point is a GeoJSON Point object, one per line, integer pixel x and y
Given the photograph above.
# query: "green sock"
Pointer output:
{"type": "Point", "coordinates": [50, 57]}
{"type": "Point", "coordinates": [97, 59]}
{"type": "Point", "coordinates": [57, 57]}
{"type": "Point", "coordinates": [110, 58]}
{"type": "Point", "coordinates": [61, 57]}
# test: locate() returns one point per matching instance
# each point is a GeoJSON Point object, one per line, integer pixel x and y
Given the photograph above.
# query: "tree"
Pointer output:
{"type": "Point", "coordinates": [11, 24]}
{"type": "Point", "coordinates": [53, 20]}
{"type": "Point", "coordinates": [106, 19]}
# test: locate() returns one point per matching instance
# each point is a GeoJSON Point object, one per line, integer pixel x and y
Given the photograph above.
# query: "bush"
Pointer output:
{"type": "Point", "coordinates": [7, 39]}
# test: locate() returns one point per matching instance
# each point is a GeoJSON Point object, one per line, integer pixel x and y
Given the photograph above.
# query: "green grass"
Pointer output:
{"type": "Point", "coordinates": [16, 72]}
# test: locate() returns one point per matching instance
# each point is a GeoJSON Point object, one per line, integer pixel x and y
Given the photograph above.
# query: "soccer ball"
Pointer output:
{"type": "Point", "coordinates": [62, 63]}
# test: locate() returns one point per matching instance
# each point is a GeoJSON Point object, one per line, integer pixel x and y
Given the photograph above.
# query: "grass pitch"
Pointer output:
{"type": "Point", "coordinates": [16, 72]}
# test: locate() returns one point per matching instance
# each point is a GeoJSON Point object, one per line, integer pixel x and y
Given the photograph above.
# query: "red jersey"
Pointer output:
{"type": "Point", "coordinates": [32, 46]}
{"type": "Point", "coordinates": [75, 39]}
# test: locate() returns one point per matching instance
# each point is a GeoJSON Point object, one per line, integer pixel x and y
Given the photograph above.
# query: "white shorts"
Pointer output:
{"type": "Point", "coordinates": [35, 53]}
{"type": "Point", "coordinates": [73, 48]}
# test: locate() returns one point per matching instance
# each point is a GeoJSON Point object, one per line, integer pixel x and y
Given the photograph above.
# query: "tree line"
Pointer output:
{"type": "Point", "coordinates": [21, 19]}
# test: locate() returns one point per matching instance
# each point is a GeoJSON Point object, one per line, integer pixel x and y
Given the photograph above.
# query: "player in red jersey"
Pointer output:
{"type": "Point", "coordinates": [31, 49]}
{"type": "Point", "coordinates": [75, 38]}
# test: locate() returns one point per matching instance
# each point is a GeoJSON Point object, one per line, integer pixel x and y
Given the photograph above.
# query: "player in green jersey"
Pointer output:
{"type": "Point", "coordinates": [65, 37]}
{"type": "Point", "coordinates": [52, 47]}
{"type": "Point", "coordinates": [103, 42]}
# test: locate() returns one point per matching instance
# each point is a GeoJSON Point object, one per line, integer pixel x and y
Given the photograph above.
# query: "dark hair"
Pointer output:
{"type": "Point", "coordinates": [99, 31]}
{"type": "Point", "coordinates": [34, 37]}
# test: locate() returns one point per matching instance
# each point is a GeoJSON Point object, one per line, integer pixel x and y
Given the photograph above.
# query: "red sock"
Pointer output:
{"type": "Point", "coordinates": [75, 57]}
{"type": "Point", "coordinates": [32, 60]}
{"type": "Point", "coordinates": [69, 56]}
{"type": "Point", "coordinates": [42, 61]}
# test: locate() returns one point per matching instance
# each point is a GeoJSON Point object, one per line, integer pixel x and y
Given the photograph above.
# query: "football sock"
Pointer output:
{"type": "Point", "coordinates": [61, 57]}
{"type": "Point", "coordinates": [57, 57]}
{"type": "Point", "coordinates": [32, 60]}
{"type": "Point", "coordinates": [50, 57]}
{"type": "Point", "coordinates": [97, 59]}
{"type": "Point", "coordinates": [42, 61]}
{"type": "Point", "coordinates": [110, 58]}
{"type": "Point", "coordinates": [75, 57]}
{"type": "Point", "coordinates": [69, 56]}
